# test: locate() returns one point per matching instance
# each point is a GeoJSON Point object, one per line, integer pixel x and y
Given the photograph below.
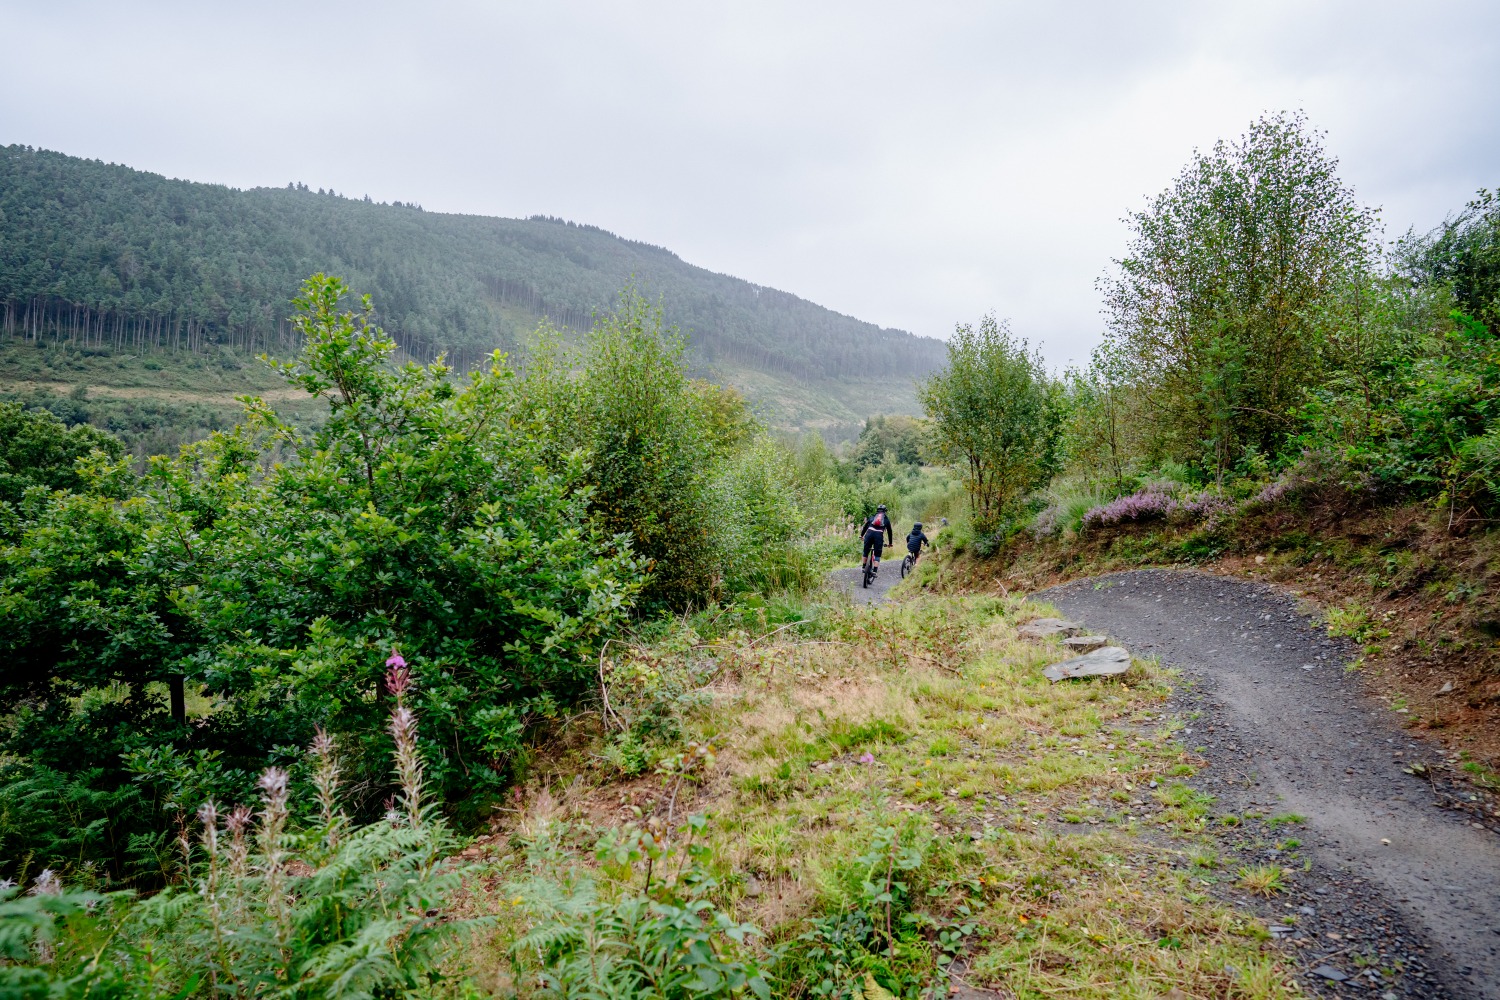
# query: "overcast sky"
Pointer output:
{"type": "Point", "coordinates": [910, 164]}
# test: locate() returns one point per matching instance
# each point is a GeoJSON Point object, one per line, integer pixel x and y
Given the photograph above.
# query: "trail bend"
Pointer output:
{"type": "Point", "coordinates": [1287, 729]}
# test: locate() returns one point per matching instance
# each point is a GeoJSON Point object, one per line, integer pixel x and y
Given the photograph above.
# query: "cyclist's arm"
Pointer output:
{"type": "Point", "coordinates": [890, 530]}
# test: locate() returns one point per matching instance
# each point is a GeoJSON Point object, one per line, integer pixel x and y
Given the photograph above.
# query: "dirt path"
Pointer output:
{"type": "Point", "coordinates": [1286, 729]}
{"type": "Point", "coordinates": [848, 580]}
{"type": "Point", "coordinates": [225, 397]}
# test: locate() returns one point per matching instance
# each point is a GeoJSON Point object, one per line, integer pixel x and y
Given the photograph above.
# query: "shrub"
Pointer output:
{"type": "Point", "coordinates": [272, 572]}
{"type": "Point", "coordinates": [643, 433]}
{"type": "Point", "coordinates": [1152, 503]}
{"type": "Point", "coordinates": [329, 909]}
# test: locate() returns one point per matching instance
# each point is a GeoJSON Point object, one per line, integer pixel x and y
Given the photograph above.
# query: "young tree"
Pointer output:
{"type": "Point", "coordinates": [1211, 307]}
{"type": "Point", "coordinates": [1464, 252]}
{"type": "Point", "coordinates": [1094, 434]}
{"type": "Point", "coordinates": [649, 438]}
{"type": "Point", "coordinates": [994, 416]}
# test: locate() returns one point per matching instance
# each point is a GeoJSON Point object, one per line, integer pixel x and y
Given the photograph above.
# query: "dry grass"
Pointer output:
{"type": "Point", "coordinates": [1047, 813]}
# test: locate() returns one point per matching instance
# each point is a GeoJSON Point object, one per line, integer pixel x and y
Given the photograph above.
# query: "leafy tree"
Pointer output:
{"type": "Point", "coordinates": [647, 436]}
{"type": "Point", "coordinates": [38, 449]}
{"type": "Point", "coordinates": [897, 438]}
{"type": "Point", "coordinates": [1212, 306]}
{"type": "Point", "coordinates": [1096, 436]}
{"type": "Point", "coordinates": [275, 572]}
{"type": "Point", "coordinates": [994, 416]}
{"type": "Point", "coordinates": [1464, 252]}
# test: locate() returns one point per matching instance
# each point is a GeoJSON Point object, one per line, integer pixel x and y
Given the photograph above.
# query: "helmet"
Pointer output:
{"type": "Point", "coordinates": [879, 507]}
{"type": "Point", "coordinates": [917, 526]}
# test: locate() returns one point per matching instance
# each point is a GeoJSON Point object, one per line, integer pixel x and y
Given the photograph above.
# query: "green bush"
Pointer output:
{"type": "Point", "coordinates": [39, 450]}
{"type": "Point", "coordinates": [642, 434]}
{"type": "Point", "coordinates": [269, 575]}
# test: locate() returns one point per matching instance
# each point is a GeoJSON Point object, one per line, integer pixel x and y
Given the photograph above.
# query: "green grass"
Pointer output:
{"type": "Point", "coordinates": [1026, 801]}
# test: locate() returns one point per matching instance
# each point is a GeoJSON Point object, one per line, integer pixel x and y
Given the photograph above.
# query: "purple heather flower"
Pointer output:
{"type": "Point", "coordinates": [867, 758]}
{"type": "Point", "coordinates": [1148, 504]}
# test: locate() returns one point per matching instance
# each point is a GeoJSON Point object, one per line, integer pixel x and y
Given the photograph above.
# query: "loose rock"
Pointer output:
{"type": "Point", "coordinates": [1100, 663]}
{"type": "Point", "coordinates": [1085, 643]}
{"type": "Point", "coordinates": [1044, 628]}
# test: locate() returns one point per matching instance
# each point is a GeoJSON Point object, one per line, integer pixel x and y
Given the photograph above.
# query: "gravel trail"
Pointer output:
{"type": "Point", "coordinates": [848, 580]}
{"type": "Point", "coordinates": [1406, 868]}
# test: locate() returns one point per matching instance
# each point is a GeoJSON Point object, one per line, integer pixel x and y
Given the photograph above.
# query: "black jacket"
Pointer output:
{"type": "Point", "coordinates": [890, 529]}
{"type": "Point", "coordinates": [915, 539]}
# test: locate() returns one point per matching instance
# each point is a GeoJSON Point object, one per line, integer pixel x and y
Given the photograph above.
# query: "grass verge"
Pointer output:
{"type": "Point", "coordinates": [864, 804]}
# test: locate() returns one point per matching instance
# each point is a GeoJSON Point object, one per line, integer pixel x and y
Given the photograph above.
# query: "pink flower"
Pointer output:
{"type": "Point", "coordinates": [867, 758]}
{"type": "Point", "coordinates": [398, 677]}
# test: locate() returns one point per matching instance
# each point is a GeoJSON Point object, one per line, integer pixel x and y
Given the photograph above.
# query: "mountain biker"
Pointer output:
{"type": "Point", "coordinates": [915, 541]}
{"type": "Point", "coordinates": [877, 528]}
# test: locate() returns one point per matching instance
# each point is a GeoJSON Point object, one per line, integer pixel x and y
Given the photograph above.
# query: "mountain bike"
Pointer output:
{"type": "Point", "coordinates": [870, 569]}
{"type": "Point", "coordinates": [908, 564]}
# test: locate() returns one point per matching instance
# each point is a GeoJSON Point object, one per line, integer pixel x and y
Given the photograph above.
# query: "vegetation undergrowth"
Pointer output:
{"type": "Point", "coordinates": [865, 804]}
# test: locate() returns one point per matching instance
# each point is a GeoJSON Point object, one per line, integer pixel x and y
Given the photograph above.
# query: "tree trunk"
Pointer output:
{"type": "Point", "coordinates": [179, 699]}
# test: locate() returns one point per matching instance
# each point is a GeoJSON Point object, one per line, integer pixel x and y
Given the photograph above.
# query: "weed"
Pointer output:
{"type": "Point", "coordinates": [1262, 880]}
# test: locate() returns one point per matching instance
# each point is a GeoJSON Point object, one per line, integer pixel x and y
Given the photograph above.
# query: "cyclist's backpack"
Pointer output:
{"type": "Point", "coordinates": [879, 522]}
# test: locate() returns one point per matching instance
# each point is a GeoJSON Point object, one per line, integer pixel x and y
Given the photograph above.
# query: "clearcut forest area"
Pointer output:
{"type": "Point", "coordinates": [552, 674]}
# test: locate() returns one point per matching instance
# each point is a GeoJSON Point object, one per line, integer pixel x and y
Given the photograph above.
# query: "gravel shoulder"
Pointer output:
{"type": "Point", "coordinates": [1405, 869]}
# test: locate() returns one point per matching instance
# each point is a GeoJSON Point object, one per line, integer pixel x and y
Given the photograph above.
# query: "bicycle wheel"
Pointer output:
{"type": "Point", "coordinates": [905, 566]}
{"type": "Point", "coordinates": [869, 572]}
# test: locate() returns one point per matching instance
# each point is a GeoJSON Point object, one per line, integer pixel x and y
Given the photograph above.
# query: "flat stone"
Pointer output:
{"type": "Point", "coordinates": [1329, 972]}
{"type": "Point", "coordinates": [1043, 628]}
{"type": "Point", "coordinates": [1104, 662]}
{"type": "Point", "coordinates": [1085, 643]}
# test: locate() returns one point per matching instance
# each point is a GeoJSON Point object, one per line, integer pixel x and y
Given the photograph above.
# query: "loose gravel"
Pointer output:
{"type": "Point", "coordinates": [1402, 896]}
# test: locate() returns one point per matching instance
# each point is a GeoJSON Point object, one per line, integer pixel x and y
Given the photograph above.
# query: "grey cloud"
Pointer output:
{"type": "Point", "coordinates": [911, 165]}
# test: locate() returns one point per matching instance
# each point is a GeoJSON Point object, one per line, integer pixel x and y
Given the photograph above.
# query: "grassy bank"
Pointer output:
{"type": "Point", "coordinates": [894, 800]}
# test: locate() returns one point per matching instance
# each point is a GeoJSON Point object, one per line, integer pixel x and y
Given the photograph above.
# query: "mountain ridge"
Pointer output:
{"type": "Point", "coordinates": [110, 256]}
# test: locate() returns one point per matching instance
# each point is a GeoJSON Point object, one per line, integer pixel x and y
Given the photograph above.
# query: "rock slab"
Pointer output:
{"type": "Point", "coordinates": [1045, 628]}
{"type": "Point", "coordinates": [1104, 662]}
{"type": "Point", "coordinates": [1085, 643]}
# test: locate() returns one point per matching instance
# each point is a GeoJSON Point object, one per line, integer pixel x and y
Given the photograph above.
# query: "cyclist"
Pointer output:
{"type": "Point", "coordinates": [915, 541]}
{"type": "Point", "coordinates": [877, 528]}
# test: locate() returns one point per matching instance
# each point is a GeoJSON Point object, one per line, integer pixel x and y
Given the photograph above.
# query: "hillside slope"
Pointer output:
{"type": "Point", "coordinates": [102, 256]}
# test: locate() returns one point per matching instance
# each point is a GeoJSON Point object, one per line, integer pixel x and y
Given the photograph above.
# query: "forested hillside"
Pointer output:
{"type": "Point", "coordinates": [100, 254]}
